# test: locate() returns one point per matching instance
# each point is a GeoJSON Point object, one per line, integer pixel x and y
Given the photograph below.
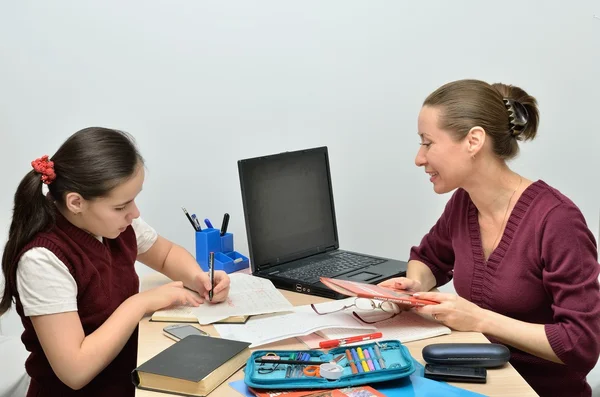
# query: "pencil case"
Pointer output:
{"type": "Point", "coordinates": [339, 367]}
{"type": "Point", "coordinates": [486, 355]}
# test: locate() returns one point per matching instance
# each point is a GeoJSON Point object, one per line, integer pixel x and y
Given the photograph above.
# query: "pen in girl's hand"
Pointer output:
{"type": "Point", "coordinates": [189, 218]}
{"type": "Point", "coordinates": [211, 274]}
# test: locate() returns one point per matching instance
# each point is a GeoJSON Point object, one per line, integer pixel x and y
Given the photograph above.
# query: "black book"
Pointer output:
{"type": "Point", "coordinates": [194, 366]}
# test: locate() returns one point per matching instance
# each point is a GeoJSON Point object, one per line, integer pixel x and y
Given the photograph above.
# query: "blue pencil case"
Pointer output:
{"type": "Point", "coordinates": [339, 367]}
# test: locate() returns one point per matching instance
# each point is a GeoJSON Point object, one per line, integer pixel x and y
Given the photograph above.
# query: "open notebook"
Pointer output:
{"type": "Point", "coordinates": [248, 295]}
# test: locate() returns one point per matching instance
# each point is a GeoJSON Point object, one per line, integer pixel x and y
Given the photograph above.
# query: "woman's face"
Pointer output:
{"type": "Point", "coordinates": [446, 161]}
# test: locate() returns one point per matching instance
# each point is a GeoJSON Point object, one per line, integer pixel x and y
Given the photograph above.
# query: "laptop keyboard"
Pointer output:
{"type": "Point", "coordinates": [330, 267]}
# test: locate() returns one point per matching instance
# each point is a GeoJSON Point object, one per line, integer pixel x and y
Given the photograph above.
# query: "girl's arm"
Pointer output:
{"type": "Point", "coordinates": [75, 358]}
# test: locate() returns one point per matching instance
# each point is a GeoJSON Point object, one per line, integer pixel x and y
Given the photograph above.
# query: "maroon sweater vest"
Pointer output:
{"type": "Point", "coordinates": [105, 277]}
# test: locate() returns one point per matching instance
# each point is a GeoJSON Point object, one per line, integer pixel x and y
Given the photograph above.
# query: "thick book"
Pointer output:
{"type": "Point", "coordinates": [194, 366]}
{"type": "Point", "coordinates": [370, 291]}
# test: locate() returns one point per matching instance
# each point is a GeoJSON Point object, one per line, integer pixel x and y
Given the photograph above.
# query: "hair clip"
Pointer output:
{"type": "Point", "coordinates": [517, 116]}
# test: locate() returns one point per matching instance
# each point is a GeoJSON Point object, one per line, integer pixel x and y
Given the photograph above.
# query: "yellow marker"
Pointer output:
{"type": "Point", "coordinates": [362, 359]}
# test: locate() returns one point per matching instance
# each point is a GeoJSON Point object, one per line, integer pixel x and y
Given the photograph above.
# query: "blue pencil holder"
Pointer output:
{"type": "Point", "coordinates": [226, 259]}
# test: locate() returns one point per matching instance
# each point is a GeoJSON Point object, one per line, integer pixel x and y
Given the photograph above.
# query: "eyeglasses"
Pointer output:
{"type": "Point", "coordinates": [366, 304]}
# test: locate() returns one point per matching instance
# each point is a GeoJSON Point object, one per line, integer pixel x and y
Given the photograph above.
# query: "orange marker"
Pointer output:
{"type": "Point", "coordinates": [352, 366]}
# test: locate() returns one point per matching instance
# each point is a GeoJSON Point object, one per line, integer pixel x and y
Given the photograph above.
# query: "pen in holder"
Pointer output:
{"type": "Point", "coordinates": [226, 259]}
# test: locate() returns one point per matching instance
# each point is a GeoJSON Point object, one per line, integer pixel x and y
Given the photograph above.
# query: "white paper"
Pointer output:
{"type": "Point", "coordinates": [248, 295]}
{"type": "Point", "coordinates": [405, 327]}
{"type": "Point", "coordinates": [263, 330]}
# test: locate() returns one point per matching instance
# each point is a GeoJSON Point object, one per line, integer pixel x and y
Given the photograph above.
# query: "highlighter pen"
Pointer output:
{"type": "Point", "coordinates": [211, 269]}
{"type": "Point", "coordinates": [357, 361]}
{"type": "Point", "coordinates": [375, 363]}
{"type": "Point", "coordinates": [352, 366]}
{"type": "Point", "coordinates": [362, 359]}
{"type": "Point", "coordinates": [208, 224]}
{"type": "Point", "coordinates": [379, 357]}
{"type": "Point", "coordinates": [224, 224]}
{"type": "Point", "coordinates": [369, 362]}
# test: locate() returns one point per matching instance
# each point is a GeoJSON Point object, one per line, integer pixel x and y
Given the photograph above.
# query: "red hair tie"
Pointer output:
{"type": "Point", "coordinates": [46, 168]}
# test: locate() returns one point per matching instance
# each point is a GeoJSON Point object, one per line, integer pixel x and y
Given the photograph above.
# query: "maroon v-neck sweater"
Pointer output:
{"type": "Point", "coordinates": [105, 277]}
{"type": "Point", "coordinates": [544, 271]}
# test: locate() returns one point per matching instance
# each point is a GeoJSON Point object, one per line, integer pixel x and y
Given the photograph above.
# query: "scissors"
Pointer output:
{"type": "Point", "coordinates": [326, 370]}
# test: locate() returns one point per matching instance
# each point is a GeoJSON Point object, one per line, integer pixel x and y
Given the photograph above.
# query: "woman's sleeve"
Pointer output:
{"type": "Point", "coordinates": [570, 276]}
{"type": "Point", "coordinates": [435, 249]}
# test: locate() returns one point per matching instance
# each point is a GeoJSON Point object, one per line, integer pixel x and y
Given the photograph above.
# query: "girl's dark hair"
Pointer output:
{"type": "Point", "coordinates": [91, 162]}
{"type": "Point", "coordinates": [465, 104]}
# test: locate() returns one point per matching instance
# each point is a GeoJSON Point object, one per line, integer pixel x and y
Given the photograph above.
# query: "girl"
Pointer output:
{"type": "Point", "coordinates": [69, 265]}
{"type": "Point", "coordinates": [523, 260]}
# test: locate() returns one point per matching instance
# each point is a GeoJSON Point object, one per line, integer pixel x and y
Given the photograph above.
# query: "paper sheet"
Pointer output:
{"type": "Point", "coordinates": [263, 330]}
{"type": "Point", "coordinates": [248, 295]}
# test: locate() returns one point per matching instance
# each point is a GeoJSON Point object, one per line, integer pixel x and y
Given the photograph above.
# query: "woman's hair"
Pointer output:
{"type": "Point", "coordinates": [91, 162]}
{"type": "Point", "coordinates": [507, 113]}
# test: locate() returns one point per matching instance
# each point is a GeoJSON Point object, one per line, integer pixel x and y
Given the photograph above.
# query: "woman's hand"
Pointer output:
{"type": "Point", "coordinates": [221, 290]}
{"type": "Point", "coordinates": [402, 283]}
{"type": "Point", "coordinates": [171, 294]}
{"type": "Point", "coordinates": [453, 311]}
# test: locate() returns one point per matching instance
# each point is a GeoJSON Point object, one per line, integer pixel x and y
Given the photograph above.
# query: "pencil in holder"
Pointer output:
{"type": "Point", "coordinates": [226, 259]}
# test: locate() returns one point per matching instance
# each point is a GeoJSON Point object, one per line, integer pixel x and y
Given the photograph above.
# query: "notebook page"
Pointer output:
{"type": "Point", "coordinates": [248, 295]}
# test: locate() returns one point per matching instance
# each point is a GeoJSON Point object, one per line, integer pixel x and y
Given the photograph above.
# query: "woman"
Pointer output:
{"type": "Point", "coordinates": [523, 260]}
{"type": "Point", "coordinates": [69, 265]}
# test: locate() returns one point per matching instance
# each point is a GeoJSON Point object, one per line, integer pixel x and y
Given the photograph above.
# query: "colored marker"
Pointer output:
{"type": "Point", "coordinates": [224, 224]}
{"type": "Point", "coordinates": [368, 358]}
{"type": "Point", "coordinates": [357, 361]}
{"type": "Point", "coordinates": [379, 357]}
{"type": "Point", "coordinates": [375, 363]}
{"type": "Point", "coordinates": [362, 359]}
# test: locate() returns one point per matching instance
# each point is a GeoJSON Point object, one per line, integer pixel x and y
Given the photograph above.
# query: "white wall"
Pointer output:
{"type": "Point", "coordinates": [203, 84]}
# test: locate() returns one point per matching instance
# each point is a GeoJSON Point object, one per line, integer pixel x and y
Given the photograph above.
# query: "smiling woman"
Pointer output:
{"type": "Point", "coordinates": [523, 260]}
{"type": "Point", "coordinates": [69, 265]}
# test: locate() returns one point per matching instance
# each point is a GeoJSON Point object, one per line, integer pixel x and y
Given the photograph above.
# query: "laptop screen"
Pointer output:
{"type": "Point", "coordinates": [288, 206]}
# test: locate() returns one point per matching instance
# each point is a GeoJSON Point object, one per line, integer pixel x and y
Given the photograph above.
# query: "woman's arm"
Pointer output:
{"type": "Point", "coordinates": [462, 315]}
{"type": "Point", "coordinates": [530, 338]}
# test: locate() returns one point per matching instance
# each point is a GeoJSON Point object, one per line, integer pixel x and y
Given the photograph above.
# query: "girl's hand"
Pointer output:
{"type": "Point", "coordinates": [171, 294]}
{"type": "Point", "coordinates": [221, 290]}
{"type": "Point", "coordinates": [453, 311]}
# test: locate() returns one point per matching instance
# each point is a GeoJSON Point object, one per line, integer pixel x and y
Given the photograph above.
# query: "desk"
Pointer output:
{"type": "Point", "coordinates": [505, 381]}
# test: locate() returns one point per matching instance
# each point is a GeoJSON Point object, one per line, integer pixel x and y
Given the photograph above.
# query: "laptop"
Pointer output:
{"type": "Point", "coordinates": [291, 225]}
